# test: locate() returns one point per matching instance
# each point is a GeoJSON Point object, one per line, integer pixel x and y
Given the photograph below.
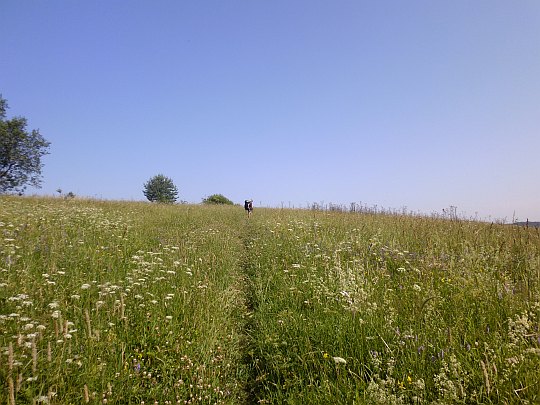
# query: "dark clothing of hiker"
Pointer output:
{"type": "Point", "coordinates": [248, 206]}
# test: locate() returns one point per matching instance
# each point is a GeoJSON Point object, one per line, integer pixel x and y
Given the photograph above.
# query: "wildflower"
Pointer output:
{"type": "Point", "coordinates": [416, 287]}
{"type": "Point", "coordinates": [168, 317]}
{"type": "Point", "coordinates": [325, 355]}
{"type": "Point", "coordinates": [56, 314]}
{"type": "Point", "coordinates": [339, 360]}
{"type": "Point", "coordinates": [85, 286]}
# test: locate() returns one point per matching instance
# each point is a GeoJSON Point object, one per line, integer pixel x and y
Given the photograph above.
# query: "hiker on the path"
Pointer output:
{"type": "Point", "coordinates": [248, 206]}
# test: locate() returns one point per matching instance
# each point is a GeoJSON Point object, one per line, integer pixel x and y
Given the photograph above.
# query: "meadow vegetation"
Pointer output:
{"type": "Point", "coordinates": [118, 302]}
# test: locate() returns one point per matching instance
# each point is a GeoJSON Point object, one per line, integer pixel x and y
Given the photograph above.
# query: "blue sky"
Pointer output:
{"type": "Point", "coordinates": [423, 104]}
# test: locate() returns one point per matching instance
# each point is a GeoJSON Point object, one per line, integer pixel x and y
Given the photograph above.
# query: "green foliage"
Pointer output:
{"type": "Point", "coordinates": [160, 189]}
{"type": "Point", "coordinates": [20, 153]}
{"type": "Point", "coordinates": [217, 199]}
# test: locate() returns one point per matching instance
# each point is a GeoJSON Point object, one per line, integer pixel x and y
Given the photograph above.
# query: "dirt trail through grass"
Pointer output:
{"type": "Point", "coordinates": [249, 236]}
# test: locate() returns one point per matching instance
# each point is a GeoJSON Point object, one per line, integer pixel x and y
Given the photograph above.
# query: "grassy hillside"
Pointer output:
{"type": "Point", "coordinates": [105, 302]}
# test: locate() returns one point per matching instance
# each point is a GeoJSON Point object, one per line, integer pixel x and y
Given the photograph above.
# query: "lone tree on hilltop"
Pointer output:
{"type": "Point", "coordinates": [160, 189]}
{"type": "Point", "coordinates": [20, 153]}
{"type": "Point", "coordinates": [218, 199]}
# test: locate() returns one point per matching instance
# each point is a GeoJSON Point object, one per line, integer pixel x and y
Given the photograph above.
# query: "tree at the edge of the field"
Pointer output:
{"type": "Point", "coordinates": [20, 153]}
{"type": "Point", "coordinates": [160, 189]}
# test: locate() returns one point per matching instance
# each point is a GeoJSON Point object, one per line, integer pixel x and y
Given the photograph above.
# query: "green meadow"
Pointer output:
{"type": "Point", "coordinates": [137, 303]}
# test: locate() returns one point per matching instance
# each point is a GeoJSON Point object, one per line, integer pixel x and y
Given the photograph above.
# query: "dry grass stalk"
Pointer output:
{"type": "Point", "coordinates": [88, 324]}
{"type": "Point", "coordinates": [11, 391]}
{"type": "Point", "coordinates": [486, 377]}
{"type": "Point", "coordinates": [34, 357]}
{"type": "Point", "coordinates": [19, 382]}
{"type": "Point", "coordinates": [49, 352]}
{"type": "Point", "coordinates": [10, 357]}
{"type": "Point", "coordinates": [86, 396]}
{"type": "Point", "coordinates": [122, 306]}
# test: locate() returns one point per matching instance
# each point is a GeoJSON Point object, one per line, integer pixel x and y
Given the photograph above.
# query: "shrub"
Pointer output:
{"type": "Point", "coordinates": [217, 199]}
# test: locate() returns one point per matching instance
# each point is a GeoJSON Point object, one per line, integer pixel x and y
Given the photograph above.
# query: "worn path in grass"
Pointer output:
{"type": "Point", "coordinates": [249, 236]}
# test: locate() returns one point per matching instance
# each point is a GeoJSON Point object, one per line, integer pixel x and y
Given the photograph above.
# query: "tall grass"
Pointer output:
{"type": "Point", "coordinates": [119, 303]}
{"type": "Point", "coordinates": [394, 310]}
{"type": "Point", "coordinates": [105, 302]}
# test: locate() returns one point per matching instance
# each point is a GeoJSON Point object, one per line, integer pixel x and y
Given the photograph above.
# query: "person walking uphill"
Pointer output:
{"type": "Point", "coordinates": [248, 206]}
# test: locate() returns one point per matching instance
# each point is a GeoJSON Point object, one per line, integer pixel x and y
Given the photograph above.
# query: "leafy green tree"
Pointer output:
{"type": "Point", "coordinates": [20, 153]}
{"type": "Point", "coordinates": [217, 199]}
{"type": "Point", "coordinates": [160, 189]}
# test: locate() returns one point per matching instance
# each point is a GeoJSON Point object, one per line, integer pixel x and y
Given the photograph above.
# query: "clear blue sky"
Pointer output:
{"type": "Point", "coordinates": [423, 104]}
